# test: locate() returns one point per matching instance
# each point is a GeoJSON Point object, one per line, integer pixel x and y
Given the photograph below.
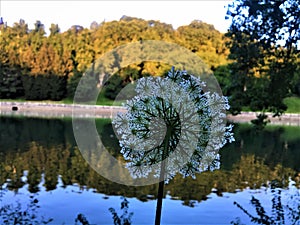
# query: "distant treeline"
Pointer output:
{"type": "Point", "coordinates": [36, 67]}
{"type": "Point", "coordinates": [252, 68]}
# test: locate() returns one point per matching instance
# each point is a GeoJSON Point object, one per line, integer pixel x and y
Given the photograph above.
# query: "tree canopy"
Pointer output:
{"type": "Point", "coordinates": [34, 58]}
{"type": "Point", "coordinates": [264, 41]}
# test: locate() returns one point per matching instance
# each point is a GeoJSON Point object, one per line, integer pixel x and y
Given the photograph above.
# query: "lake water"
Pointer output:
{"type": "Point", "coordinates": [43, 171]}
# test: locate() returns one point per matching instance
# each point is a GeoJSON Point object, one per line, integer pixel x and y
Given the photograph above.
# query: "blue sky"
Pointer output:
{"type": "Point", "coordinates": [68, 13]}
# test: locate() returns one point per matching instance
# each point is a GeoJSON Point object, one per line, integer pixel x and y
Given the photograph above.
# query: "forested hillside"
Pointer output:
{"type": "Point", "coordinates": [256, 64]}
{"type": "Point", "coordinates": [36, 67]}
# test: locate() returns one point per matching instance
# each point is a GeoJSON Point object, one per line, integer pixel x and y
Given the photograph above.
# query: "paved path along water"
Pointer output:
{"type": "Point", "coordinates": [44, 109]}
{"type": "Point", "coordinates": [288, 119]}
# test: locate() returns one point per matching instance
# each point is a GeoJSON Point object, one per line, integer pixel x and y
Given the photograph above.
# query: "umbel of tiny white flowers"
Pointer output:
{"type": "Point", "coordinates": [174, 120]}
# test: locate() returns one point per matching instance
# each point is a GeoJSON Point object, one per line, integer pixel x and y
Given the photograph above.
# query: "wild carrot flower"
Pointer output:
{"type": "Point", "coordinates": [172, 120]}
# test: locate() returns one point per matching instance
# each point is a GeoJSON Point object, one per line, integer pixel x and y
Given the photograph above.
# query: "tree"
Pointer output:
{"type": "Point", "coordinates": [94, 25]}
{"type": "Point", "coordinates": [264, 44]}
{"type": "Point", "coordinates": [10, 82]}
{"type": "Point", "coordinates": [222, 73]}
{"type": "Point", "coordinates": [54, 29]}
{"type": "Point", "coordinates": [69, 54]}
{"type": "Point", "coordinates": [205, 41]}
{"type": "Point", "coordinates": [113, 86]}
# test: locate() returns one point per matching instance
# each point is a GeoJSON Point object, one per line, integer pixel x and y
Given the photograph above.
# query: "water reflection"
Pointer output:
{"type": "Point", "coordinates": [48, 147]}
{"type": "Point", "coordinates": [285, 207]}
{"type": "Point", "coordinates": [35, 152]}
{"type": "Point", "coordinates": [22, 214]}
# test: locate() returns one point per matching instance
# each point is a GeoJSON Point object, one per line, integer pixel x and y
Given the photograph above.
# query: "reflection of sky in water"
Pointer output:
{"type": "Point", "coordinates": [35, 144]}
{"type": "Point", "coordinates": [64, 204]}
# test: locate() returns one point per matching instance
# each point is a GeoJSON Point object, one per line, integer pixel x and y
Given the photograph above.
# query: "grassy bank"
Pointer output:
{"type": "Point", "coordinates": [293, 104]}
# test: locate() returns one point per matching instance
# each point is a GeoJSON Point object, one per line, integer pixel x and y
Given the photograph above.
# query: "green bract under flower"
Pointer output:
{"type": "Point", "coordinates": [172, 120]}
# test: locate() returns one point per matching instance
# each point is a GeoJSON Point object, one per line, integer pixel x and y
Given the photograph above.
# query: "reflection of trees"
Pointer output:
{"type": "Point", "coordinates": [281, 213]}
{"type": "Point", "coordinates": [68, 162]}
{"type": "Point", "coordinates": [123, 219]}
{"type": "Point", "coordinates": [248, 172]}
{"type": "Point", "coordinates": [252, 172]}
{"type": "Point", "coordinates": [17, 133]}
{"type": "Point", "coordinates": [16, 214]}
{"type": "Point", "coordinates": [274, 145]}
{"type": "Point", "coordinates": [38, 153]}
{"type": "Point", "coordinates": [33, 179]}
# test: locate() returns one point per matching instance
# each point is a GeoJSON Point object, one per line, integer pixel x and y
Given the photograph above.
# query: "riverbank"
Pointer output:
{"type": "Point", "coordinates": [288, 119]}
{"type": "Point", "coordinates": [42, 109]}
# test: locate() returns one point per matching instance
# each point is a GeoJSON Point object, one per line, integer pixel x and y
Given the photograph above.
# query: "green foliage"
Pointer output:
{"type": "Point", "coordinates": [113, 86]}
{"type": "Point", "coordinates": [264, 70]}
{"type": "Point", "coordinates": [87, 89]}
{"type": "Point", "coordinates": [73, 83]}
{"type": "Point", "coordinates": [10, 82]}
{"type": "Point", "coordinates": [119, 80]}
{"type": "Point", "coordinates": [35, 88]}
{"type": "Point", "coordinates": [71, 53]}
{"type": "Point", "coordinates": [57, 86]}
{"type": "Point", "coordinates": [297, 86]}
{"type": "Point", "coordinates": [222, 74]}
{"type": "Point", "coordinates": [205, 41]}
{"type": "Point", "coordinates": [261, 121]}
{"type": "Point", "coordinates": [44, 87]}
{"type": "Point", "coordinates": [102, 100]}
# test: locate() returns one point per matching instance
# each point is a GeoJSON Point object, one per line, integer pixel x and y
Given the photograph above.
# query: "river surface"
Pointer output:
{"type": "Point", "coordinates": [43, 172]}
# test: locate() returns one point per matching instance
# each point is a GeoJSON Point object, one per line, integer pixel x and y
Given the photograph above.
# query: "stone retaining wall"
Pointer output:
{"type": "Point", "coordinates": [41, 109]}
{"type": "Point", "coordinates": [58, 110]}
{"type": "Point", "coordinates": [289, 119]}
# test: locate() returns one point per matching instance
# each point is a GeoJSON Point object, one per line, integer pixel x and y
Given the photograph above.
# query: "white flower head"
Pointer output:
{"type": "Point", "coordinates": [172, 120]}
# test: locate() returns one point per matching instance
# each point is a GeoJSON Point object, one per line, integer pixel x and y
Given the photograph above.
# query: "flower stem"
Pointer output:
{"type": "Point", "coordinates": [161, 184]}
{"type": "Point", "coordinates": [160, 194]}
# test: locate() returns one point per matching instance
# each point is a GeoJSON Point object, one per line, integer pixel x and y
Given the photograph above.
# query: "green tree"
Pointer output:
{"type": "Point", "coordinates": [205, 41]}
{"type": "Point", "coordinates": [222, 73]}
{"type": "Point", "coordinates": [264, 44]}
{"type": "Point", "coordinates": [10, 82]}
{"type": "Point", "coordinates": [54, 29]}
